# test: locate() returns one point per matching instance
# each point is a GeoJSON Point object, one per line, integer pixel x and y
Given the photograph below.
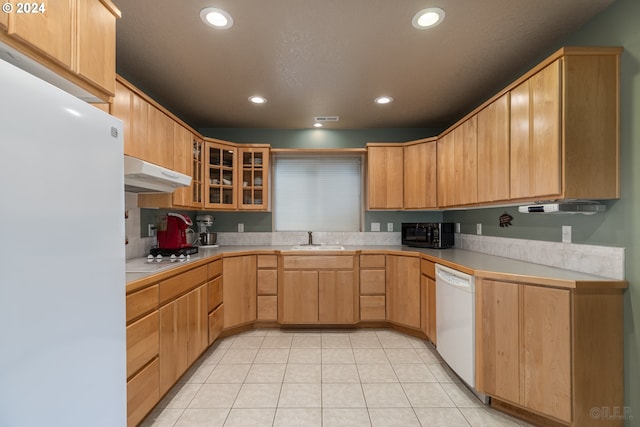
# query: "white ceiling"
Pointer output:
{"type": "Point", "coordinates": [333, 57]}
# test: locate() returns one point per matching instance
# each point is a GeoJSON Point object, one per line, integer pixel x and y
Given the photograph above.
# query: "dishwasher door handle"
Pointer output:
{"type": "Point", "coordinates": [453, 280]}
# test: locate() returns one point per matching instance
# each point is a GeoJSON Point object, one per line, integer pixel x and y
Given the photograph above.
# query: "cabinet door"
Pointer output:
{"type": "Point", "coordinates": [255, 178]}
{"type": "Point", "coordinates": [198, 323]}
{"type": "Point", "coordinates": [183, 153]}
{"type": "Point", "coordinates": [535, 135]}
{"type": "Point", "coordinates": [239, 290]}
{"type": "Point", "coordinates": [420, 176]}
{"type": "Point", "coordinates": [220, 176]}
{"type": "Point", "coordinates": [385, 177]}
{"type": "Point", "coordinates": [96, 44]}
{"type": "Point", "coordinates": [403, 290]}
{"type": "Point", "coordinates": [493, 151]}
{"type": "Point", "coordinates": [431, 290]}
{"type": "Point", "coordinates": [299, 297]}
{"type": "Point", "coordinates": [50, 32]}
{"type": "Point", "coordinates": [142, 393]}
{"type": "Point", "coordinates": [138, 145]}
{"type": "Point", "coordinates": [466, 162]}
{"type": "Point", "coordinates": [546, 351]}
{"type": "Point", "coordinates": [122, 109]}
{"type": "Point", "coordinates": [160, 138]}
{"type": "Point", "coordinates": [498, 342]}
{"type": "Point", "coordinates": [446, 171]}
{"type": "Point", "coordinates": [174, 336]}
{"type": "Point", "coordinates": [336, 297]}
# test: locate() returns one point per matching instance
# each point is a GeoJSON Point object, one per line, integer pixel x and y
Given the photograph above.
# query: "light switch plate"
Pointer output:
{"type": "Point", "coordinates": [240, 228]}
{"type": "Point", "coordinates": [375, 226]}
{"type": "Point", "coordinates": [566, 234]}
{"type": "Point", "coordinates": [151, 230]}
{"type": "Point", "coordinates": [389, 226]}
{"type": "Point", "coordinates": [478, 229]}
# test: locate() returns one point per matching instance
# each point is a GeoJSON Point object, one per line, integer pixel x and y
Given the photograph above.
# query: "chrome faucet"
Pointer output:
{"type": "Point", "coordinates": [310, 233]}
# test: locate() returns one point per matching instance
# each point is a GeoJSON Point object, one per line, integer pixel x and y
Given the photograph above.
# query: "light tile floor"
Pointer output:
{"type": "Point", "coordinates": [327, 378]}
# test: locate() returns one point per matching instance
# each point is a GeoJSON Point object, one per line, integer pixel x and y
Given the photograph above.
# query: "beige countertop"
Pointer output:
{"type": "Point", "coordinates": [474, 263]}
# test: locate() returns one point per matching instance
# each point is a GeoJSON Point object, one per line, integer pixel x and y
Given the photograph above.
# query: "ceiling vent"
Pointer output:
{"type": "Point", "coordinates": [327, 119]}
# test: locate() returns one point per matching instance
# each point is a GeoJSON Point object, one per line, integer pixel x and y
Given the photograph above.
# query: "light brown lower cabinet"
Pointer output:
{"type": "Point", "coordinates": [267, 288]}
{"type": "Point", "coordinates": [403, 290]}
{"type": "Point", "coordinates": [143, 393]}
{"type": "Point", "coordinates": [239, 290]}
{"type": "Point", "coordinates": [428, 299]}
{"type": "Point", "coordinates": [372, 288]}
{"type": "Point", "coordinates": [554, 352]}
{"type": "Point", "coordinates": [318, 290]}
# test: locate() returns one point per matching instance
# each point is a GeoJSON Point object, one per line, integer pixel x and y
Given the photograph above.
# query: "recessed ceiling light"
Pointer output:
{"type": "Point", "coordinates": [216, 18]}
{"type": "Point", "coordinates": [257, 99]}
{"type": "Point", "coordinates": [383, 100]}
{"type": "Point", "coordinates": [318, 125]}
{"type": "Point", "coordinates": [428, 18]}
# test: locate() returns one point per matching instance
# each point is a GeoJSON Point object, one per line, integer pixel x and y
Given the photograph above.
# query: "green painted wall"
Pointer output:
{"type": "Point", "coordinates": [318, 138]}
{"type": "Point", "coordinates": [619, 25]}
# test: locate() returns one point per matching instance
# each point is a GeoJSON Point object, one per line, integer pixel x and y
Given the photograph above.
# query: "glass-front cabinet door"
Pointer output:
{"type": "Point", "coordinates": [196, 174]}
{"type": "Point", "coordinates": [254, 194]}
{"type": "Point", "coordinates": [220, 176]}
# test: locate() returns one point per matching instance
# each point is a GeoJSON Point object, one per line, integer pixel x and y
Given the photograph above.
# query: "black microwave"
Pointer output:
{"type": "Point", "coordinates": [436, 235]}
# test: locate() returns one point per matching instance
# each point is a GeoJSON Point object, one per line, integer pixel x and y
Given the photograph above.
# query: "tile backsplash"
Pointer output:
{"type": "Point", "coordinates": [137, 246]}
{"type": "Point", "coordinates": [603, 261]}
{"type": "Point", "coordinates": [300, 237]}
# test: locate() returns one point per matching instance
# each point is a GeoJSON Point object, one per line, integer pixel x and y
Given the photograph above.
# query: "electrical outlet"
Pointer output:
{"type": "Point", "coordinates": [566, 234]}
{"type": "Point", "coordinates": [389, 226]}
{"type": "Point", "coordinates": [458, 227]}
{"type": "Point", "coordinates": [375, 226]}
{"type": "Point", "coordinates": [240, 228]}
{"type": "Point", "coordinates": [478, 229]}
{"type": "Point", "coordinates": [151, 230]}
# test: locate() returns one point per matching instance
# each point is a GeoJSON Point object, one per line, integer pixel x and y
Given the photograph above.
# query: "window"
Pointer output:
{"type": "Point", "coordinates": [317, 193]}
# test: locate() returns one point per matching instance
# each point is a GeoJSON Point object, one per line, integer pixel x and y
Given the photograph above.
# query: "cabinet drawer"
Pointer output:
{"type": "Point", "coordinates": [267, 282]}
{"type": "Point", "coordinates": [214, 293]}
{"type": "Point", "coordinates": [372, 261]}
{"type": "Point", "coordinates": [372, 282]}
{"type": "Point", "coordinates": [143, 392]}
{"type": "Point", "coordinates": [216, 323]}
{"type": "Point", "coordinates": [318, 261]}
{"type": "Point", "coordinates": [428, 268]}
{"type": "Point", "coordinates": [372, 307]}
{"type": "Point", "coordinates": [267, 308]}
{"type": "Point", "coordinates": [142, 302]}
{"type": "Point", "coordinates": [214, 269]}
{"type": "Point", "coordinates": [267, 261]}
{"type": "Point", "coordinates": [182, 283]}
{"type": "Point", "coordinates": [142, 342]}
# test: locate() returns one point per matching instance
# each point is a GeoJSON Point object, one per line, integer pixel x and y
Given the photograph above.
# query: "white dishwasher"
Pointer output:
{"type": "Point", "coordinates": [455, 322]}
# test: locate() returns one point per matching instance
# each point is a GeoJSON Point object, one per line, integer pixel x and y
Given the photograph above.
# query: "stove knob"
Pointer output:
{"type": "Point", "coordinates": [181, 258]}
{"type": "Point", "coordinates": [159, 258]}
{"type": "Point", "coordinates": [173, 257]}
{"type": "Point", "coordinates": [150, 258]}
{"type": "Point", "coordinates": [188, 257]}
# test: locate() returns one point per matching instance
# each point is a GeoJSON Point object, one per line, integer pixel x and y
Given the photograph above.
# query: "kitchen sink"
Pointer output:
{"type": "Point", "coordinates": [317, 248]}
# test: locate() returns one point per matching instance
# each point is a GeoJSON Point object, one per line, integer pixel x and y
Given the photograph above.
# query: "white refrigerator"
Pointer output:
{"type": "Point", "coordinates": [62, 258]}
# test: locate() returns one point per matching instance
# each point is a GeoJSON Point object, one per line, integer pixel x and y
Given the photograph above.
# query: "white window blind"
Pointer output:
{"type": "Point", "coordinates": [317, 193]}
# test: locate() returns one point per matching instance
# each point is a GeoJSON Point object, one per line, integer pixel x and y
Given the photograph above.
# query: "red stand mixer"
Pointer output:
{"type": "Point", "coordinates": [172, 233]}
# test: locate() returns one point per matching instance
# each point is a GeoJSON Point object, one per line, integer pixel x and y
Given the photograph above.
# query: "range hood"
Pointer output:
{"type": "Point", "coordinates": [145, 177]}
{"type": "Point", "coordinates": [567, 207]}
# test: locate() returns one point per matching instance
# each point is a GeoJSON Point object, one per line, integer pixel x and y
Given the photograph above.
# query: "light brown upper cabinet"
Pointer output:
{"type": "Point", "coordinates": [220, 175]}
{"type": "Point", "coordinates": [187, 159]}
{"type": "Point", "coordinates": [159, 138]}
{"type": "Point", "coordinates": [493, 151]}
{"type": "Point", "coordinates": [535, 135]}
{"type": "Point", "coordinates": [385, 163]}
{"type": "Point", "coordinates": [74, 38]}
{"type": "Point", "coordinates": [254, 162]}
{"type": "Point", "coordinates": [97, 46]}
{"type": "Point", "coordinates": [458, 165]}
{"type": "Point", "coordinates": [420, 175]}
{"type": "Point", "coordinates": [564, 127]}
